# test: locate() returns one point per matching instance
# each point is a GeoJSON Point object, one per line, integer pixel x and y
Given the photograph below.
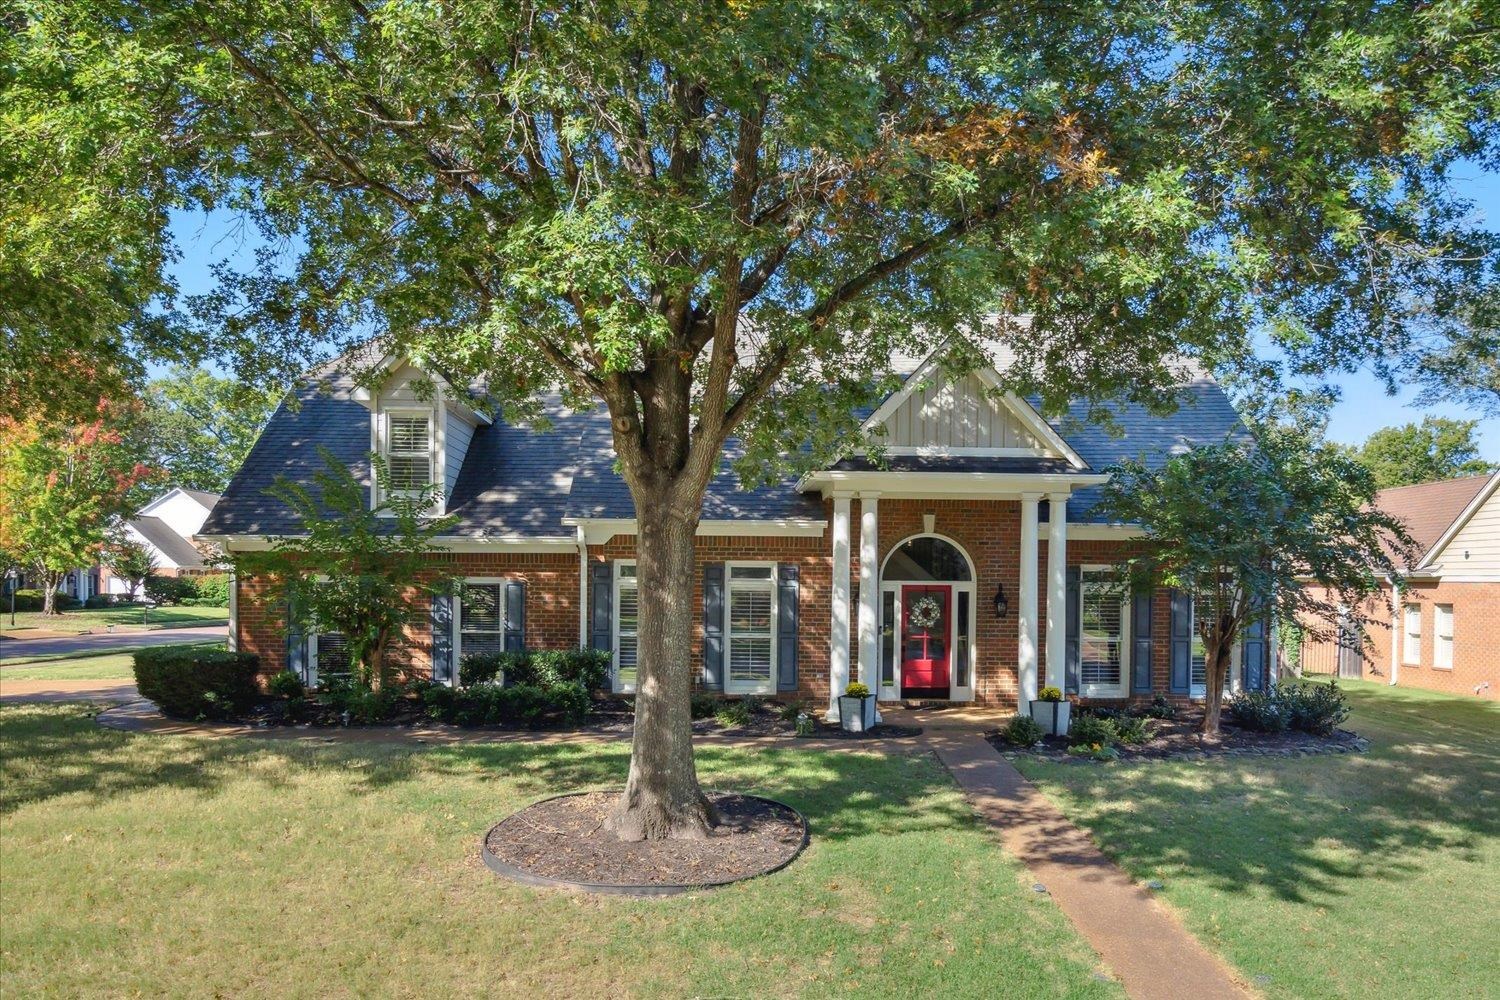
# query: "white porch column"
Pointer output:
{"type": "Point", "coordinates": [1057, 588]}
{"type": "Point", "coordinates": [869, 590]}
{"type": "Point", "coordinates": [1026, 601]}
{"type": "Point", "coordinates": [838, 647]}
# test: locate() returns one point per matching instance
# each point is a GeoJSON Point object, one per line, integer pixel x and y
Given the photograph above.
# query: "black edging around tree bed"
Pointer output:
{"type": "Point", "coordinates": [645, 889]}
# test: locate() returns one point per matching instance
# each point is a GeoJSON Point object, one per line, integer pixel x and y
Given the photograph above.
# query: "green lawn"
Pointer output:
{"type": "Point", "coordinates": [195, 867]}
{"type": "Point", "coordinates": [87, 619]}
{"type": "Point", "coordinates": [1362, 876]}
{"type": "Point", "coordinates": [105, 666]}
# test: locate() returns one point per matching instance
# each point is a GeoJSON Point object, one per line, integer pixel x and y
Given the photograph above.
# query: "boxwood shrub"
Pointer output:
{"type": "Point", "coordinates": [1088, 730]}
{"type": "Point", "coordinates": [491, 704]}
{"type": "Point", "coordinates": [541, 667]}
{"type": "Point", "coordinates": [198, 683]}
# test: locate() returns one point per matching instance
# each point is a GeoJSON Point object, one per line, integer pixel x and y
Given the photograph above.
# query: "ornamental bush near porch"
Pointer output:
{"type": "Point", "coordinates": [198, 683]}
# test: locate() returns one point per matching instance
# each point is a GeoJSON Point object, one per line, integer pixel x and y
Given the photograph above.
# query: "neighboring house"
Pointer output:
{"type": "Point", "coordinates": [970, 567]}
{"type": "Point", "coordinates": [1447, 634]}
{"type": "Point", "coordinates": [166, 527]}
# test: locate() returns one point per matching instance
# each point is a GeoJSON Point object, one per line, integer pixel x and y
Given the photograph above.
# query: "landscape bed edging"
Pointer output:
{"type": "Point", "coordinates": [514, 873]}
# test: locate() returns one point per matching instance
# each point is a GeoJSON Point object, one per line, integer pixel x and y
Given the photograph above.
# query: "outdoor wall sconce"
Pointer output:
{"type": "Point", "coordinates": [1001, 604]}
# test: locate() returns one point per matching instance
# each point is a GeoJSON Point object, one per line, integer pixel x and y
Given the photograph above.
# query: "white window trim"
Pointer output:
{"type": "Point", "coordinates": [774, 583]}
{"type": "Point", "coordinates": [456, 642]}
{"type": "Point", "coordinates": [1120, 690]}
{"type": "Point", "coordinates": [387, 452]}
{"type": "Point", "coordinates": [614, 625]}
{"type": "Point", "coordinates": [1440, 643]}
{"type": "Point", "coordinates": [1408, 637]}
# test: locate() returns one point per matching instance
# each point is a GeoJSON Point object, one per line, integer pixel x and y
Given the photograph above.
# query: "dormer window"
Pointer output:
{"type": "Point", "coordinates": [409, 451]}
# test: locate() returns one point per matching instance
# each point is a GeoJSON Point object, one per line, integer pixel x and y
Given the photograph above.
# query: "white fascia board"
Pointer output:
{"type": "Point", "coordinates": [940, 485]}
{"type": "Point", "coordinates": [1485, 492]}
{"type": "Point", "coordinates": [598, 530]}
{"type": "Point", "coordinates": [392, 362]}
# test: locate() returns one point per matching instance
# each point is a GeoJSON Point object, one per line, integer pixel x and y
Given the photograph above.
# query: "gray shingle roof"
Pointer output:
{"type": "Point", "coordinates": [519, 481]}
{"type": "Point", "coordinates": [172, 545]}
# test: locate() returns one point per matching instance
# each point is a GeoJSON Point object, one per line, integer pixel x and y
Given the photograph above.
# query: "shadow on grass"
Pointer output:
{"type": "Point", "coordinates": [1303, 828]}
{"type": "Point", "coordinates": [52, 751]}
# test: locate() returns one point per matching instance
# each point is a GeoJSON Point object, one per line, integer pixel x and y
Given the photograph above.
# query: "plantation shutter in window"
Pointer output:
{"type": "Point", "coordinates": [1074, 620]}
{"type": "Point", "coordinates": [442, 638]}
{"type": "Point", "coordinates": [786, 627]}
{"type": "Point", "coordinates": [601, 594]}
{"type": "Point", "coordinates": [481, 627]}
{"type": "Point", "coordinates": [1181, 638]}
{"type": "Point", "coordinates": [713, 626]}
{"type": "Point", "coordinates": [1140, 642]}
{"type": "Point", "coordinates": [515, 616]}
{"type": "Point", "coordinates": [409, 453]}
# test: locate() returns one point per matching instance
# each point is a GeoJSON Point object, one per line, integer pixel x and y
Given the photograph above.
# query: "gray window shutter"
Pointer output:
{"type": "Point", "coordinates": [713, 626]}
{"type": "Point", "coordinates": [1182, 642]}
{"type": "Point", "coordinates": [1140, 641]}
{"type": "Point", "coordinates": [1253, 655]}
{"type": "Point", "coordinates": [442, 638]}
{"type": "Point", "coordinates": [602, 599]}
{"type": "Point", "coordinates": [1073, 619]}
{"type": "Point", "coordinates": [515, 616]}
{"type": "Point", "coordinates": [296, 642]}
{"type": "Point", "coordinates": [787, 589]}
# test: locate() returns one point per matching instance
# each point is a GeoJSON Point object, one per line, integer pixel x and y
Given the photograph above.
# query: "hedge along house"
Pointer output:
{"type": "Point", "coordinates": [964, 566]}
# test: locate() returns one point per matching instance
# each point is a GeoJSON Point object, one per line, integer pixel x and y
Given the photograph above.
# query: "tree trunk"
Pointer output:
{"type": "Point", "coordinates": [662, 799]}
{"type": "Point", "coordinates": [1217, 676]}
{"type": "Point", "coordinates": [50, 582]}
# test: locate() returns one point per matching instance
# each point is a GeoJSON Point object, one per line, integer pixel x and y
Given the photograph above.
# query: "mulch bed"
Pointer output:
{"type": "Point", "coordinates": [562, 840]}
{"type": "Point", "coordinates": [1179, 739]}
{"type": "Point", "coordinates": [765, 722]}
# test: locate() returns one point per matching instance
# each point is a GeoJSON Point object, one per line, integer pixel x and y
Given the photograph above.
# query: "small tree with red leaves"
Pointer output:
{"type": "Point", "coordinates": [61, 488]}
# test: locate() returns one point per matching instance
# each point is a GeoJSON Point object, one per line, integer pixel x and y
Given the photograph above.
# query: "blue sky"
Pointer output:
{"type": "Point", "coordinates": [1363, 406]}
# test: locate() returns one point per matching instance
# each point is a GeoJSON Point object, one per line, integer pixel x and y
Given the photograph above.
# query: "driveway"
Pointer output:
{"type": "Point", "coordinates": [25, 649]}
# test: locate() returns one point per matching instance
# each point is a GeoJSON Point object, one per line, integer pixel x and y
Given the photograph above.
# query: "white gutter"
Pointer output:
{"type": "Point", "coordinates": [447, 543]}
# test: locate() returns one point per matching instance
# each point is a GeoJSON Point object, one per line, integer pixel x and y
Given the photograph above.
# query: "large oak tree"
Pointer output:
{"type": "Point", "coordinates": [720, 219]}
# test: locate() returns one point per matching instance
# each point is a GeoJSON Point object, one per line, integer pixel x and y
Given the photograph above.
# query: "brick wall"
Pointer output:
{"type": "Point", "coordinates": [1476, 640]}
{"type": "Point", "coordinates": [551, 608]}
{"type": "Point", "coordinates": [815, 573]}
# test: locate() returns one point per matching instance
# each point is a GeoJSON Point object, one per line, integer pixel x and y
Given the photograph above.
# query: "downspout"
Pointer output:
{"type": "Point", "coordinates": [1396, 626]}
{"type": "Point", "coordinates": [583, 588]}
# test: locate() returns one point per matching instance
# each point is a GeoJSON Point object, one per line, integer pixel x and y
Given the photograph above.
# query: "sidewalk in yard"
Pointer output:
{"type": "Point", "coordinates": [47, 691]}
{"type": "Point", "coordinates": [1140, 941]}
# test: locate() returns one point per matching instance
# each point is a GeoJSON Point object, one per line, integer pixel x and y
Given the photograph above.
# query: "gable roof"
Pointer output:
{"type": "Point", "coordinates": [1429, 510]}
{"type": "Point", "coordinates": [172, 545]}
{"type": "Point", "coordinates": [519, 482]}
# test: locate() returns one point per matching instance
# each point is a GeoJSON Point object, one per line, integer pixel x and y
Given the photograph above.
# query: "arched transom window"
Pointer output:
{"type": "Point", "coordinates": [927, 558]}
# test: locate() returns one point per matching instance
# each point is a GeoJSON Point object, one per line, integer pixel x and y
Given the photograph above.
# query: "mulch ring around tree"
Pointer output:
{"type": "Point", "coordinates": [562, 841]}
{"type": "Point", "coordinates": [1179, 739]}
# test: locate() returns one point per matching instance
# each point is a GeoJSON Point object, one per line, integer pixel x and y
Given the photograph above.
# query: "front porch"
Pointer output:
{"type": "Point", "coordinates": [956, 599]}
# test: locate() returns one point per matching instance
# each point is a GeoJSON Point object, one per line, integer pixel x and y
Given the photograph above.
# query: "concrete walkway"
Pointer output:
{"type": "Point", "coordinates": [1138, 938]}
{"type": "Point", "coordinates": [70, 690]}
{"type": "Point", "coordinates": [96, 642]}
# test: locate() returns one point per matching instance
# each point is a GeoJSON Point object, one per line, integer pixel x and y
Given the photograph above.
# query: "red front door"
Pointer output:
{"type": "Point", "coordinates": [924, 636]}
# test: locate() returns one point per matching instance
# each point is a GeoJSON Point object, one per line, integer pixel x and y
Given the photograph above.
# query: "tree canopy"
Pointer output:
{"type": "Point", "coordinates": [1437, 448]}
{"type": "Point", "coordinates": [199, 427]}
{"type": "Point", "coordinates": [1276, 523]}
{"type": "Point", "coordinates": [725, 218]}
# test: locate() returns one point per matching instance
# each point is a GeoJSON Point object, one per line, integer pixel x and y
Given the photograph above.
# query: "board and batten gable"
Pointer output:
{"type": "Point", "coordinates": [958, 416]}
{"type": "Point", "coordinates": [1473, 551]}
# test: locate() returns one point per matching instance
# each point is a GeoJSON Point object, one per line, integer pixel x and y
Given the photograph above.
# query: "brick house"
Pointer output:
{"type": "Point", "coordinates": [1447, 613]}
{"type": "Point", "coordinates": [966, 566]}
